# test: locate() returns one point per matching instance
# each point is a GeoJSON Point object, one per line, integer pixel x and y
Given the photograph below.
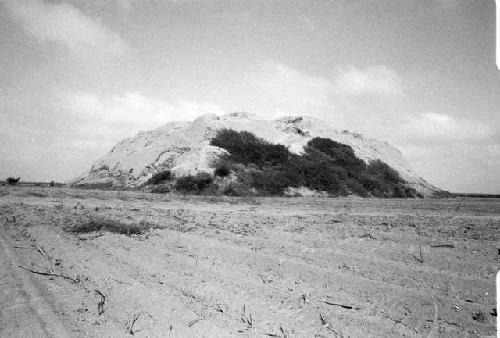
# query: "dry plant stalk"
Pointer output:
{"type": "Point", "coordinates": [40, 250]}
{"type": "Point", "coordinates": [132, 323]}
{"type": "Point", "coordinates": [421, 259]}
{"type": "Point", "coordinates": [328, 325]}
{"type": "Point", "coordinates": [247, 319]}
{"type": "Point", "coordinates": [100, 305]}
{"type": "Point", "coordinates": [349, 307]}
{"type": "Point", "coordinates": [435, 304]}
{"type": "Point", "coordinates": [49, 274]}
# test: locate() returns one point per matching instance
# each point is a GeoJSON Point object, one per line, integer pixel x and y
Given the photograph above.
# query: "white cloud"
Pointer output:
{"type": "Point", "coordinates": [494, 150]}
{"type": "Point", "coordinates": [369, 100]}
{"type": "Point", "coordinates": [290, 89]}
{"type": "Point", "coordinates": [64, 24]}
{"type": "Point", "coordinates": [374, 80]}
{"type": "Point", "coordinates": [434, 127]}
{"type": "Point", "coordinates": [120, 110]}
{"type": "Point", "coordinates": [349, 98]}
{"type": "Point", "coordinates": [113, 118]}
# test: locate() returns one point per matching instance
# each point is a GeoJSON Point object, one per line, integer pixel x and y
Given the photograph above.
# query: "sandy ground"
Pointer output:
{"type": "Point", "coordinates": [226, 267]}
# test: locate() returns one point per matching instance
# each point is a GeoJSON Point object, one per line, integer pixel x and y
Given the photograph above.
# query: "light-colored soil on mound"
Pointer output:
{"type": "Point", "coordinates": [184, 148]}
{"type": "Point", "coordinates": [227, 267]}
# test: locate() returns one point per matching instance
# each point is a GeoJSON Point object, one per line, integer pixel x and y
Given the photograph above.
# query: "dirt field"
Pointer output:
{"type": "Point", "coordinates": [225, 267]}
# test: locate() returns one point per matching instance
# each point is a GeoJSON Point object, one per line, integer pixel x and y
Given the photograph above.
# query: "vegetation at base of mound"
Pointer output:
{"type": "Point", "coordinates": [223, 169]}
{"type": "Point", "coordinates": [268, 169]}
{"type": "Point", "coordinates": [194, 184]}
{"type": "Point", "coordinates": [98, 185]}
{"type": "Point", "coordinates": [160, 177]}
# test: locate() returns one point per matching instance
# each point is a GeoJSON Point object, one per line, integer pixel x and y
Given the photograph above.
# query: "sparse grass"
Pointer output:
{"type": "Point", "coordinates": [101, 224]}
{"type": "Point", "coordinates": [161, 189]}
{"type": "Point", "coordinates": [37, 194]}
{"type": "Point", "coordinates": [245, 200]}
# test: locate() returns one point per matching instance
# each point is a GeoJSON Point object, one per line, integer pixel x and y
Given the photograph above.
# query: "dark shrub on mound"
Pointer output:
{"type": "Point", "coordinates": [223, 168]}
{"type": "Point", "coordinates": [325, 165]}
{"type": "Point", "coordinates": [194, 184]}
{"type": "Point", "coordinates": [270, 181]}
{"type": "Point", "coordinates": [382, 171]}
{"type": "Point", "coordinates": [246, 148]}
{"type": "Point", "coordinates": [340, 155]}
{"type": "Point", "coordinates": [383, 181]}
{"type": "Point", "coordinates": [160, 177]}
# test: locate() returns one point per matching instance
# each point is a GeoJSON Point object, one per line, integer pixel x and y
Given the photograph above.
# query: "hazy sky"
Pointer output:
{"type": "Point", "coordinates": [78, 76]}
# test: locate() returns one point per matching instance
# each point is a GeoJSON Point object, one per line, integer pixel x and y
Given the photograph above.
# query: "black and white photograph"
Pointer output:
{"type": "Point", "coordinates": [249, 168]}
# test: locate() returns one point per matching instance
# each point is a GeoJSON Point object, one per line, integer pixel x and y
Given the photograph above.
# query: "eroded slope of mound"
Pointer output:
{"type": "Point", "coordinates": [184, 148]}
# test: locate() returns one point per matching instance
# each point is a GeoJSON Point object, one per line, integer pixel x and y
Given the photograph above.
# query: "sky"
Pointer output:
{"type": "Point", "coordinates": [76, 77]}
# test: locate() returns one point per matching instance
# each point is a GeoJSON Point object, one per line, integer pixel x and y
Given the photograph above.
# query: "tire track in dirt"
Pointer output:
{"type": "Point", "coordinates": [27, 313]}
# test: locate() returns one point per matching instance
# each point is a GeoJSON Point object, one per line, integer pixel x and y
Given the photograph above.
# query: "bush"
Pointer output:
{"type": "Point", "coordinates": [160, 177]}
{"type": "Point", "coordinates": [338, 154]}
{"type": "Point", "coordinates": [326, 165]}
{"type": "Point", "coordinates": [238, 189]}
{"type": "Point", "coordinates": [246, 148]}
{"type": "Point", "coordinates": [223, 168]}
{"type": "Point", "coordinates": [13, 180]}
{"type": "Point", "coordinates": [381, 170]}
{"type": "Point", "coordinates": [354, 187]}
{"type": "Point", "coordinates": [161, 189]}
{"type": "Point", "coordinates": [100, 224]}
{"type": "Point", "coordinates": [270, 182]}
{"type": "Point", "coordinates": [194, 184]}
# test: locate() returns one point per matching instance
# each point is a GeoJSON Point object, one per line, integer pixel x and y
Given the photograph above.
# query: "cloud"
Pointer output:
{"type": "Point", "coordinates": [370, 100]}
{"type": "Point", "coordinates": [434, 127]}
{"type": "Point", "coordinates": [374, 80]}
{"type": "Point", "coordinates": [349, 98]}
{"type": "Point", "coordinates": [292, 90]}
{"type": "Point", "coordinates": [62, 139]}
{"type": "Point", "coordinates": [112, 118]}
{"type": "Point", "coordinates": [64, 24]}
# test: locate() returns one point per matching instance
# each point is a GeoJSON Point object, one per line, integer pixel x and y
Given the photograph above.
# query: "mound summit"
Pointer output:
{"type": "Point", "coordinates": [184, 149]}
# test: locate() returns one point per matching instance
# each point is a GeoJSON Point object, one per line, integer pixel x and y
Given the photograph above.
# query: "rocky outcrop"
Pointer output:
{"type": "Point", "coordinates": [184, 148]}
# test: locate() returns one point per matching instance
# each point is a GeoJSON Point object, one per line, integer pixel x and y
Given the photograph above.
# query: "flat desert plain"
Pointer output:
{"type": "Point", "coordinates": [85, 263]}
